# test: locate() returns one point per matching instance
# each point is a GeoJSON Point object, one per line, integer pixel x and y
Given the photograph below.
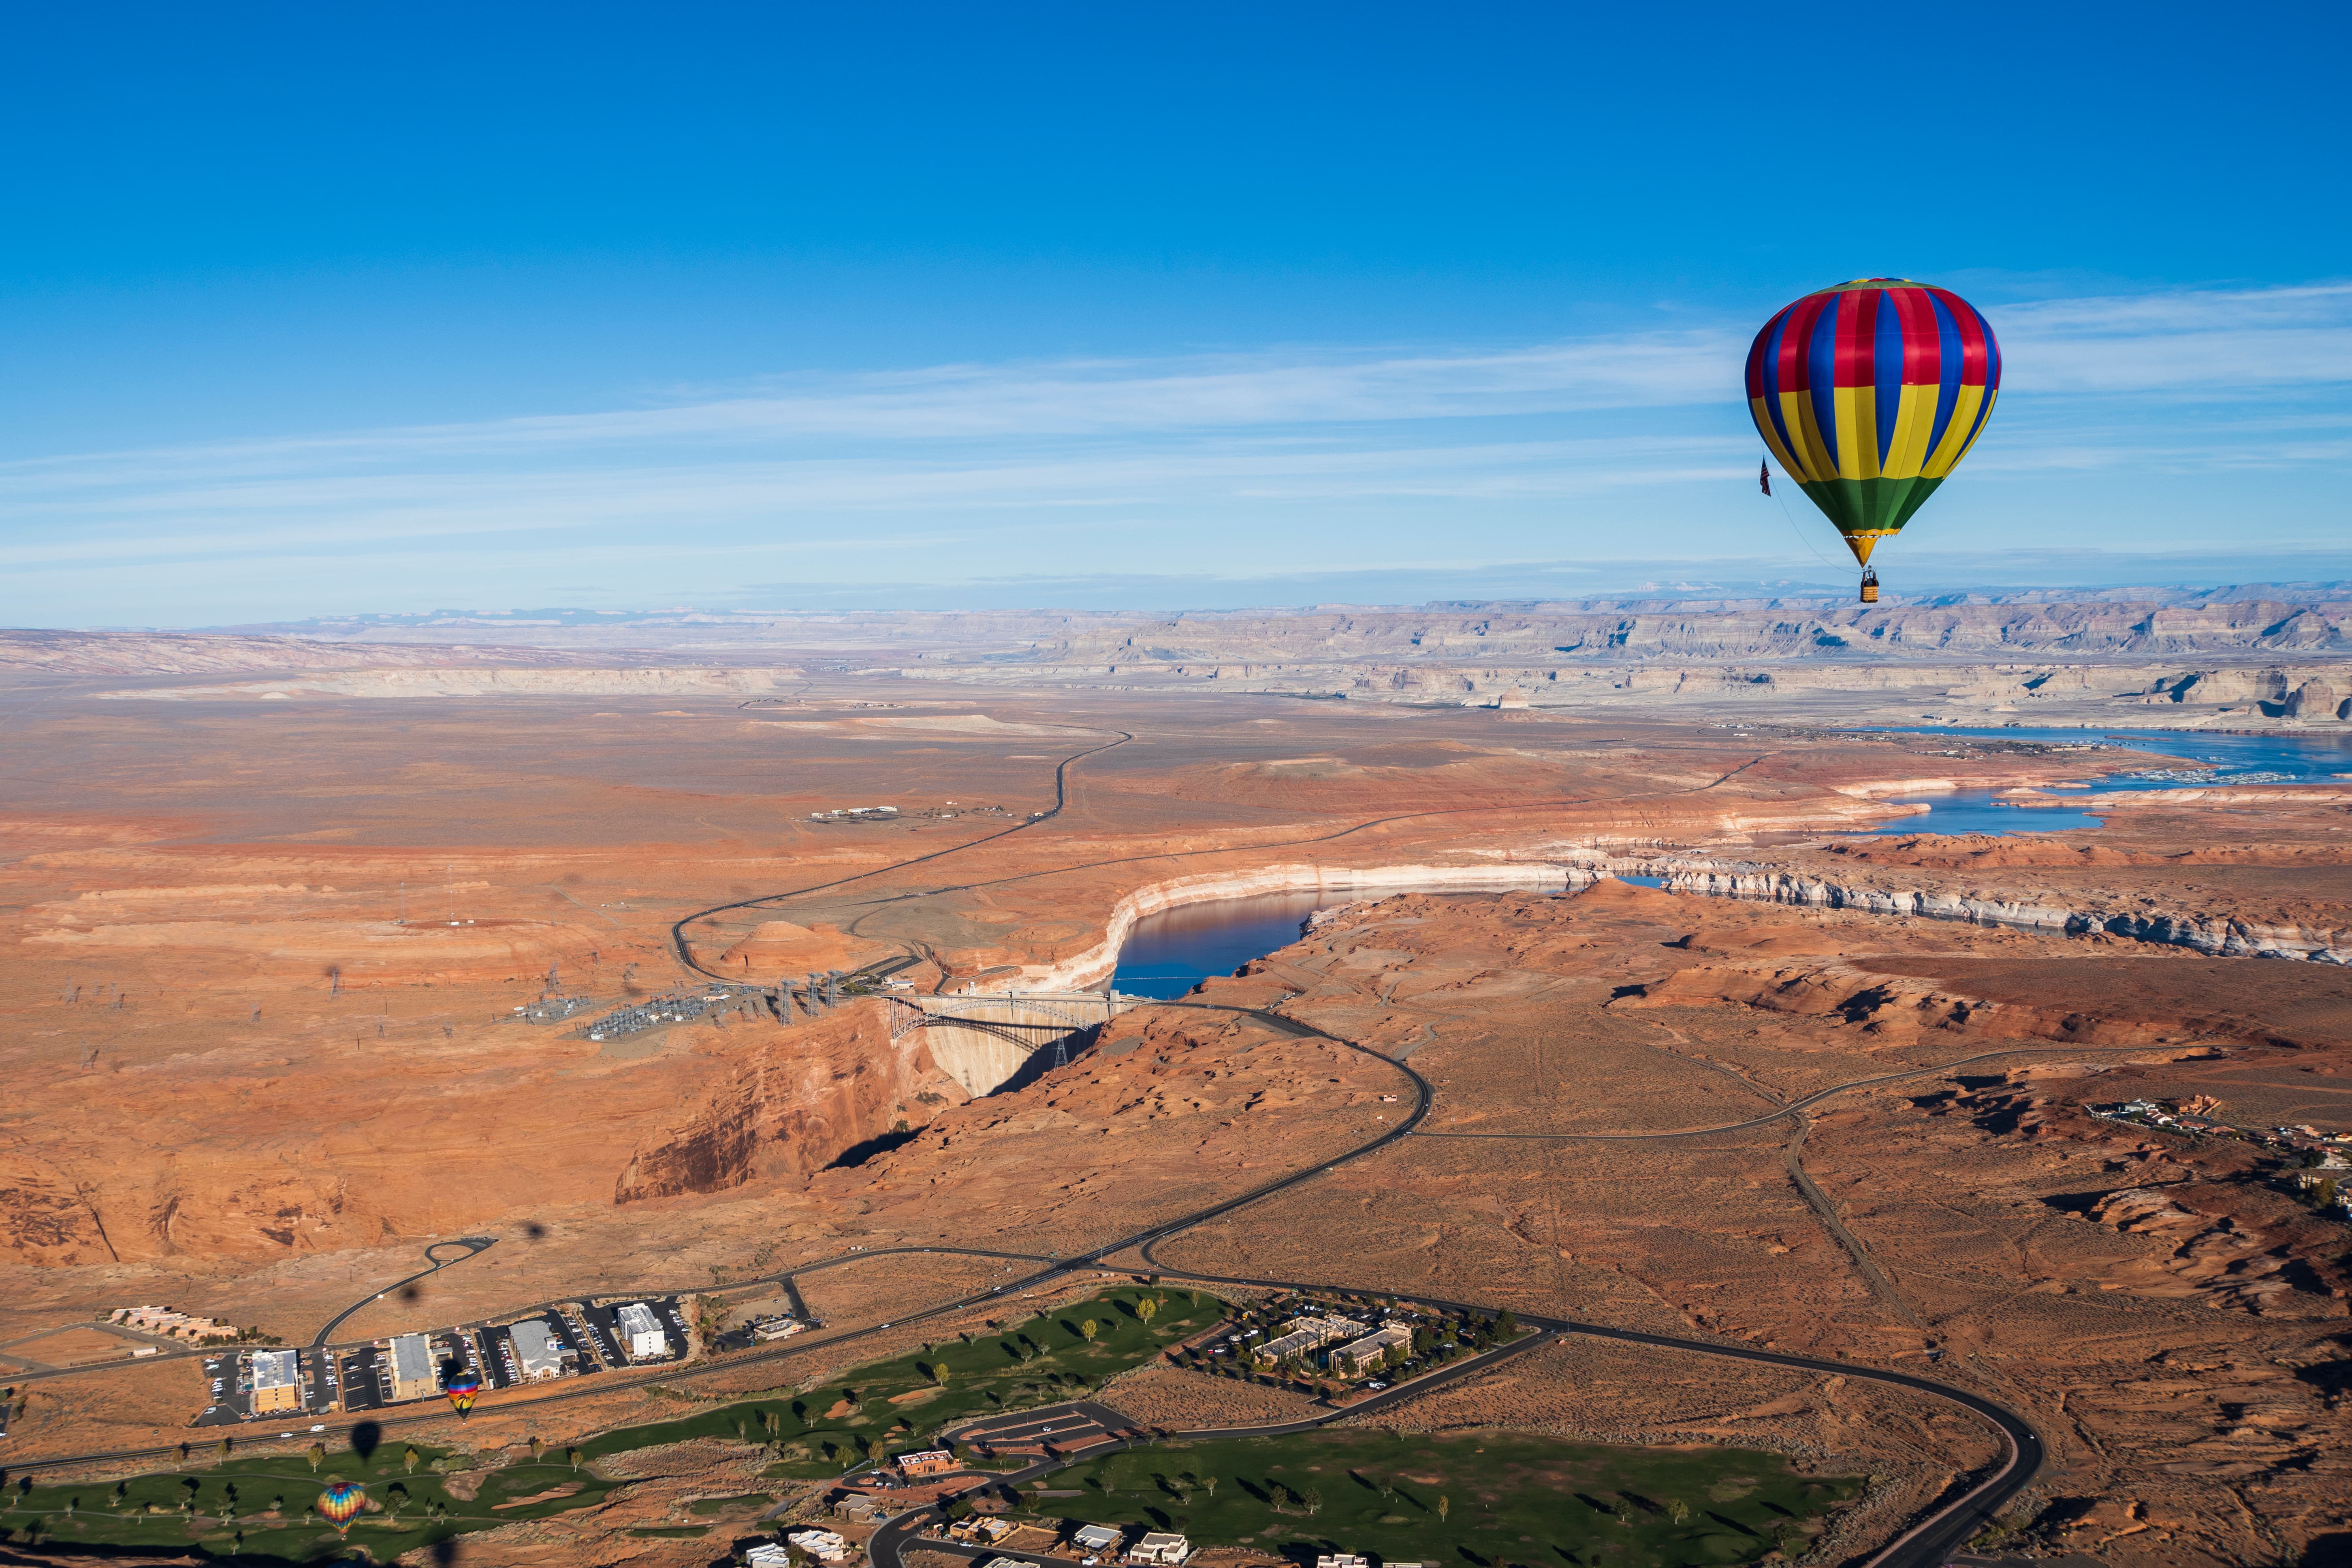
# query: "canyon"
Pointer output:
{"type": "Point", "coordinates": [278, 913]}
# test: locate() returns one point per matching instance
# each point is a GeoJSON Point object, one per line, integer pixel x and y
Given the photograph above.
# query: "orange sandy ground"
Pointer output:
{"type": "Point", "coordinates": [260, 1095]}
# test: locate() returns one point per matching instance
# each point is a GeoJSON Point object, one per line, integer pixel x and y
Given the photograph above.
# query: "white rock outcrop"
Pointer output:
{"type": "Point", "coordinates": [2223, 936]}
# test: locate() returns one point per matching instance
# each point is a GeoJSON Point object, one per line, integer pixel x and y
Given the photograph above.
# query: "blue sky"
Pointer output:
{"type": "Point", "coordinates": [318, 310]}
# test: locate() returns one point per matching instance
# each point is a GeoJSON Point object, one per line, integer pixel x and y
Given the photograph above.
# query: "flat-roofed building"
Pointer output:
{"type": "Point", "coordinates": [643, 1333]}
{"type": "Point", "coordinates": [826, 1546]}
{"type": "Point", "coordinates": [1096, 1538]}
{"type": "Point", "coordinates": [1161, 1548]}
{"type": "Point", "coordinates": [277, 1382]}
{"type": "Point", "coordinates": [413, 1376]}
{"type": "Point", "coordinates": [539, 1354]}
{"type": "Point", "coordinates": [928, 1462]}
{"type": "Point", "coordinates": [1361, 1355]}
{"type": "Point", "coordinates": [1305, 1334]}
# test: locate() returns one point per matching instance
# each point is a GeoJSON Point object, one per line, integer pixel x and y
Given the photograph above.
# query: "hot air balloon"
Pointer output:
{"type": "Point", "coordinates": [462, 1387]}
{"type": "Point", "coordinates": [1868, 393]}
{"type": "Point", "coordinates": [340, 1503]}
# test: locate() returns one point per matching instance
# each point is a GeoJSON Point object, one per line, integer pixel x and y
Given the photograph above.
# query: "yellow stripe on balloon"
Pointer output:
{"type": "Point", "coordinates": [1789, 464]}
{"type": "Point", "coordinates": [1990, 396]}
{"type": "Point", "coordinates": [1857, 432]}
{"type": "Point", "coordinates": [1797, 409]}
{"type": "Point", "coordinates": [1956, 435]}
{"type": "Point", "coordinates": [1915, 421]}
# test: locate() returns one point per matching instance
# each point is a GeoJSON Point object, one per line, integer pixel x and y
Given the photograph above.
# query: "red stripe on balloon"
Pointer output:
{"type": "Point", "coordinates": [1791, 374]}
{"type": "Point", "coordinates": [1857, 338]}
{"type": "Point", "coordinates": [1922, 348]}
{"type": "Point", "coordinates": [1973, 334]}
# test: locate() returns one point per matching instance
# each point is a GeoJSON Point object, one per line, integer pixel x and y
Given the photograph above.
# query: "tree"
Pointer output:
{"type": "Point", "coordinates": [1089, 1329]}
{"type": "Point", "coordinates": [225, 1446]}
{"type": "Point", "coordinates": [1147, 1308]}
{"type": "Point", "coordinates": [537, 1448]}
{"type": "Point", "coordinates": [316, 1454]}
{"type": "Point", "coordinates": [411, 1459]}
{"type": "Point", "coordinates": [1209, 1485]}
{"type": "Point", "coordinates": [1444, 1506]}
{"type": "Point", "coordinates": [2324, 1194]}
{"type": "Point", "coordinates": [1679, 1512]}
{"type": "Point", "coordinates": [571, 1458]}
{"type": "Point", "coordinates": [1507, 1327]}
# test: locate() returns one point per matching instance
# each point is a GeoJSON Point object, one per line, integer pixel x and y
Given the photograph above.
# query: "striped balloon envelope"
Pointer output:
{"type": "Point", "coordinates": [340, 1503]}
{"type": "Point", "coordinates": [463, 1388]}
{"type": "Point", "coordinates": [1868, 393]}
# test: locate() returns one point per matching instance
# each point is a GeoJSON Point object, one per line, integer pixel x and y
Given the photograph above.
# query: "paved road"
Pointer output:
{"type": "Point", "coordinates": [1796, 1107]}
{"type": "Point", "coordinates": [683, 951]}
{"type": "Point", "coordinates": [472, 1245]}
{"type": "Point", "coordinates": [1925, 1545]}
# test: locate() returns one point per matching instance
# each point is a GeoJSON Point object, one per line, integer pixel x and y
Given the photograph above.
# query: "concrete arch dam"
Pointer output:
{"type": "Point", "coordinates": [986, 1042]}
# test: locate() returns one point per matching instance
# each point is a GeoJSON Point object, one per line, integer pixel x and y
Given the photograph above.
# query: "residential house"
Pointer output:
{"type": "Point", "coordinates": [1163, 1548]}
{"type": "Point", "coordinates": [824, 1546]}
{"type": "Point", "coordinates": [1096, 1538]}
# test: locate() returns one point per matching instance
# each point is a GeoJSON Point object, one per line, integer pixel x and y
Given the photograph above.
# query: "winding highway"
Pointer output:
{"type": "Point", "coordinates": [1927, 1542]}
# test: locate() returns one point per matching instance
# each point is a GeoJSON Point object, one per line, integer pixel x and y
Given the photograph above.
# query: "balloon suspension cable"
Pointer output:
{"type": "Point", "coordinates": [1797, 528]}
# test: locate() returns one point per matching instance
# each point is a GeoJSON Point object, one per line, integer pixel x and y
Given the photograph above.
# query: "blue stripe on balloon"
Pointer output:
{"type": "Point", "coordinates": [1993, 349]}
{"type": "Point", "coordinates": [1821, 376]}
{"type": "Point", "coordinates": [1947, 397]}
{"type": "Point", "coordinates": [1773, 333]}
{"type": "Point", "coordinates": [1886, 367]}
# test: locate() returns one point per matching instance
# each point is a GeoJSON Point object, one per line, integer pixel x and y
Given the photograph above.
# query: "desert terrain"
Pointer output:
{"type": "Point", "coordinates": [281, 914]}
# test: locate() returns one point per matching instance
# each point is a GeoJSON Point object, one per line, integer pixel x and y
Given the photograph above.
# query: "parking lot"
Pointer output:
{"type": "Point", "coordinates": [363, 1386]}
{"type": "Point", "coordinates": [604, 1323]}
{"type": "Point", "coordinates": [228, 1382]}
{"type": "Point", "coordinates": [504, 1368]}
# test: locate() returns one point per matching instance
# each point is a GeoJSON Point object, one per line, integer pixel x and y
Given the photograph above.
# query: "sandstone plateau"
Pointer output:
{"type": "Point", "coordinates": [273, 908]}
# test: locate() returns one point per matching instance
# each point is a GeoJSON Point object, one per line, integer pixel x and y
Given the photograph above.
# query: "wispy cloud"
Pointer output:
{"type": "Point", "coordinates": [1291, 455]}
{"type": "Point", "coordinates": [2187, 345]}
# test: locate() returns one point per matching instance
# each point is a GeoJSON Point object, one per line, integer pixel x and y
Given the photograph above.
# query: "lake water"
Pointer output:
{"type": "Point", "coordinates": [2235, 759]}
{"type": "Point", "coordinates": [1167, 954]}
